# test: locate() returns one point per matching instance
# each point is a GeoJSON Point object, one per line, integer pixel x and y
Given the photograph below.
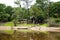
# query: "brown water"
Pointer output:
{"type": "Point", "coordinates": [30, 36]}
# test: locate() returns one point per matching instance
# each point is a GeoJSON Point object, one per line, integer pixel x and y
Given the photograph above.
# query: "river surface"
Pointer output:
{"type": "Point", "coordinates": [30, 36]}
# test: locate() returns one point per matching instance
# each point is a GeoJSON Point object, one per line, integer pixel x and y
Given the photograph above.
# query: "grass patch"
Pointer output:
{"type": "Point", "coordinates": [46, 25]}
{"type": "Point", "coordinates": [9, 24]}
{"type": "Point", "coordinates": [33, 25]}
{"type": "Point", "coordinates": [26, 25]}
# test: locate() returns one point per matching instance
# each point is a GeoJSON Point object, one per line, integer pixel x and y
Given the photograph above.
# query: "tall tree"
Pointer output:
{"type": "Point", "coordinates": [54, 9]}
{"type": "Point", "coordinates": [43, 5]}
{"type": "Point", "coordinates": [18, 2]}
{"type": "Point", "coordinates": [3, 15]}
{"type": "Point", "coordinates": [9, 10]}
{"type": "Point", "coordinates": [40, 10]}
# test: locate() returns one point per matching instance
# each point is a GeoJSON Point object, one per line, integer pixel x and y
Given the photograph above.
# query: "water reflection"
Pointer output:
{"type": "Point", "coordinates": [30, 36]}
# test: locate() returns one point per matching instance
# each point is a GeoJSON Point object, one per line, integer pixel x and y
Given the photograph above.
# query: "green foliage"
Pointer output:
{"type": "Point", "coordinates": [5, 13]}
{"type": "Point", "coordinates": [2, 6]}
{"type": "Point", "coordinates": [54, 14]}
{"type": "Point", "coordinates": [8, 10]}
{"type": "Point", "coordinates": [41, 10]}
{"type": "Point", "coordinates": [54, 9]}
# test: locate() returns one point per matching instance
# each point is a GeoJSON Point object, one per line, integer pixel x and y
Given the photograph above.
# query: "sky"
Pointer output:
{"type": "Point", "coordinates": [54, 0]}
{"type": "Point", "coordinates": [11, 2]}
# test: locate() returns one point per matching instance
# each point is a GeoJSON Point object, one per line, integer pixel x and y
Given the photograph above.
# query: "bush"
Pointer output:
{"type": "Point", "coordinates": [54, 23]}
